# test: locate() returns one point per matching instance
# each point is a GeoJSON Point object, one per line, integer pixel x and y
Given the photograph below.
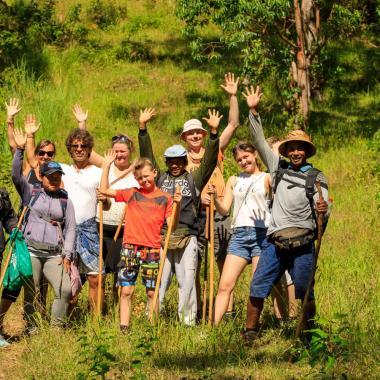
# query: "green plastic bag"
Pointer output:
{"type": "Point", "coordinates": [20, 265]}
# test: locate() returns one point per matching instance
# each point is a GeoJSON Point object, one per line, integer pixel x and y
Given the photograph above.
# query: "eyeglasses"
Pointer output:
{"type": "Point", "coordinates": [121, 138]}
{"type": "Point", "coordinates": [77, 146]}
{"type": "Point", "coordinates": [49, 153]}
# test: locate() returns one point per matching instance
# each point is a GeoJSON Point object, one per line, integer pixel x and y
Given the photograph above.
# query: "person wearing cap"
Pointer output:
{"type": "Point", "coordinates": [182, 255]}
{"type": "Point", "coordinates": [292, 223]}
{"type": "Point", "coordinates": [193, 134]}
{"type": "Point", "coordinates": [49, 231]}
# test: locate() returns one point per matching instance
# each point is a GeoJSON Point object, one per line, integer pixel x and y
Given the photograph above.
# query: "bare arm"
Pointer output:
{"type": "Point", "coordinates": [104, 185]}
{"type": "Point", "coordinates": [13, 109]}
{"type": "Point", "coordinates": [224, 206]}
{"type": "Point", "coordinates": [31, 128]}
{"type": "Point", "coordinates": [231, 87]}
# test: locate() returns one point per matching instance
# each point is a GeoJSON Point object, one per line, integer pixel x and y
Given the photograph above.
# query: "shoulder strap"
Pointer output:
{"type": "Point", "coordinates": [282, 165]}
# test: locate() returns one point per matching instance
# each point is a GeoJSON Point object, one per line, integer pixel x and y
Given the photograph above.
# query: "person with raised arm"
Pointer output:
{"type": "Point", "coordinates": [292, 224]}
{"type": "Point", "coordinates": [81, 180]}
{"type": "Point", "coordinates": [248, 192]}
{"type": "Point", "coordinates": [182, 255]}
{"type": "Point", "coordinates": [49, 231]}
{"type": "Point", "coordinates": [146, 210]}
{"type": "Point", "coordinates": [193, 134]}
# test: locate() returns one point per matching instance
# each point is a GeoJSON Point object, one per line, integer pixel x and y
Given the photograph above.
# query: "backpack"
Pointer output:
{"type": "Point", "coordinates": [311, 178]}
{"type": "Point", "coordinates": [36, 192]}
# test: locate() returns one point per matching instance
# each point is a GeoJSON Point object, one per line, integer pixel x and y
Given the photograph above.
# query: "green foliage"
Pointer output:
{"type": "Point", "coordinates": [374, 145]}
{"type": "Point", "coordinates": [329, 343]}
{"type": "Point", "coordinates": [94, 354]}
{"type": "Point", "coordinates": [105, 13]}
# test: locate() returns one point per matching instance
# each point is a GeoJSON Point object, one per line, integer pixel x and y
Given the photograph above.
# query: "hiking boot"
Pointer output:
{"type": "Point", "coordinates": [3, 342]}
{"type": "Point", "coordinates": [249, 336]}
{"type": "Point", "coordinates": [124, 329]}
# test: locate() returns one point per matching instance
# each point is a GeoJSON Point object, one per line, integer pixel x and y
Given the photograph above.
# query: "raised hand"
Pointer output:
{"type": "Point", "coordinates": [12, 109]}
{"type": "Point", "coordinates": [213, 119]}
{"type": "Point", "coordinates": [109, 157]}
{"type": "Point", "coordinates": [146, 115]}
{"type": "Point", "coordinates": [79, 114]}
{"type": "Point", "coordinates": [252, 96]}
{"type": "Point", "coordinates": [231, 85]}
{"type": "Point", "coordinates": [30, 125]}
{"type": "Point", "coordinates": [20, 137]}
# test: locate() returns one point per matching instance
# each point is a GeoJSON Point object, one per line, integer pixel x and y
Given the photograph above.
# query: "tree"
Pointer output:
{"type": "Point", "coordinates": [279, 40]}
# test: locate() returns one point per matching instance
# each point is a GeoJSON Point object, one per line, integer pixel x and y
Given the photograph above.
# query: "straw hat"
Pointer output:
{"type": "Point", "coordinates": [301, 136]}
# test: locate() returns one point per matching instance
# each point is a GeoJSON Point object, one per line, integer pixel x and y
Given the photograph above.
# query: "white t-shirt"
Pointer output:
{"type": "Point", "coordinates": [81, 186]}
{"type": "Point", "coordinates": [250, 209]}
{"type": "Point", "coordinates": [113, 215]}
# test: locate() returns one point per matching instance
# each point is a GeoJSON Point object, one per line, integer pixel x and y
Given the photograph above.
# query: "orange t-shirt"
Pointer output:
{"type": "Point", "coordinates": [145, 215]}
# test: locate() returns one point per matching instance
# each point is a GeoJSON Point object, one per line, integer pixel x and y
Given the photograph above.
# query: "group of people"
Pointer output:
{"type": "Point", "coordinates": [272, 225]}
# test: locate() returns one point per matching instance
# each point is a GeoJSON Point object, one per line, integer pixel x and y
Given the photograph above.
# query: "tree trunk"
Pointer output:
{"type": "Point", "coordinates": [307, 27]}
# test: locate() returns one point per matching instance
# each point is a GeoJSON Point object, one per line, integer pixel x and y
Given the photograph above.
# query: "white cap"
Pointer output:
{"type": "Point", "coordinates": [192, 124]}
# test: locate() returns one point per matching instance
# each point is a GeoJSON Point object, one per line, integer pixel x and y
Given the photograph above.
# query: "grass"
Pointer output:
{"type": "Point", "coordinates": [114, 90]}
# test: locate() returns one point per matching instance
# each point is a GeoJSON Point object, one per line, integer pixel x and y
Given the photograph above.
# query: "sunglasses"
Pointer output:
{"type": "Point", "coordinates": [77, 146]}
{"type": "Point", "coordinates": [121, 138]}
{"type": "Point", "coordinates": [49, 153]}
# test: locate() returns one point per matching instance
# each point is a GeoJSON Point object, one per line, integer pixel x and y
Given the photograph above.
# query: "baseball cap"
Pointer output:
{"type": "Point", "coordinates": [50, 167]}
{"type": "Point", "coordinates": [175, 151]}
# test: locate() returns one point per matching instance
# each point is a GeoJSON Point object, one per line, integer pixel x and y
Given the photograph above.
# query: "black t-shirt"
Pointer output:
{"type": "Point", "coordinates": [187, 215]}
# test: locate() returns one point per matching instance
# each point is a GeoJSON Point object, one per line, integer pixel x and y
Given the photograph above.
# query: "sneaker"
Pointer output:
{"type": "Point", "coordinates": [249, 336]}
{"type": "Point", "coordinates": [3, 342]}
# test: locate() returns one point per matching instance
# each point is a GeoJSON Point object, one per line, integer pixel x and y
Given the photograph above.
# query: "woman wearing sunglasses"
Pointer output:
{"type": "Point", "coordinates": [43, 152]}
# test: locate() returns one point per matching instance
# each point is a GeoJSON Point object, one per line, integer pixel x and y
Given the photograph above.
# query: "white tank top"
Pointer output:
{"type": "Point", "coordinates": [250, 201]}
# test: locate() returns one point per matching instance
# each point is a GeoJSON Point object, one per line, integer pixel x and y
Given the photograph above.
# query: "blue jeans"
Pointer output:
{"type": "Point", "coordinates": [272, 265]}
{"type": "Point", "coordinates": [247, 242]}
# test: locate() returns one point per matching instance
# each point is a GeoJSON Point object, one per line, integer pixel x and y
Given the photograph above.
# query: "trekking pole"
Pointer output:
{"type": "Point", "coordinates": [8, 260]}
{"type": "Point", "coordinates": [205, 269]}
{"type": "Point", "coordinates": [99, 297]}
{"type": "Point", "coordinates": [314, 266]}
{"type": "Point", "coordinates": [113, 242]}
{"type": "Point", "coordinates": [162, 260]}
{"type": "Point", "coordinates": [212, 263]}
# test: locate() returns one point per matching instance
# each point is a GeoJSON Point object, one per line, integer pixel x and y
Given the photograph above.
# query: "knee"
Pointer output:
{"type": "Point", "coordinates": [226, 287]}
{"type": "Point", "coordinates": [126, 293]}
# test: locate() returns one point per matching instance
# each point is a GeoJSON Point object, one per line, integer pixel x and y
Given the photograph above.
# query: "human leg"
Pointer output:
{"type": "Point", "coordinates": [185, 268]}
{"type": "Point", "coordinates": [93, 284]}
{"type": "Point", "coordinates": [167, 274]}
{"type": "Point", "coordinates": [125, 304]}
{"type": "Point", "coordinates": [31, 289]}
{"type": "Point", "coordinates": [60, 282]}
{"type": "Point", "coordinates": [233, 268]}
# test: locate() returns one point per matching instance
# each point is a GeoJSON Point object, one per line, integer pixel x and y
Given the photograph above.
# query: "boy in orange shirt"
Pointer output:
{"type": "Point", "coordinates": [147, 208]}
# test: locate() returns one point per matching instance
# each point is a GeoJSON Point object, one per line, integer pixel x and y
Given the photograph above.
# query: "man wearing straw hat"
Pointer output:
{"type": "Point", "coordinates": [291, 232]}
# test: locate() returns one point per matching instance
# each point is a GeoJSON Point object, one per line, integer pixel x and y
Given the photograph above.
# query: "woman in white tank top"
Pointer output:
{"type": "Point", "coordinates": [248, 192]}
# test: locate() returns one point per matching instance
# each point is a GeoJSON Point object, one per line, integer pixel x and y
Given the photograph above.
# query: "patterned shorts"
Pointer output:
{"type": "Point", "coordinates": [132, 258]}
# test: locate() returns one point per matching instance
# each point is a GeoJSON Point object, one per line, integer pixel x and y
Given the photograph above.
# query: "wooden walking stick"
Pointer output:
{"type": "Point", "coordinates": [302, 318]}
{"type": "Point", "coordinates": [162, 260]}
{"type": "Point", "coordinates": [212, 263]}
{"type": "Point", "coordinates": [99, 297]}
{"type": "Point", "coordinates": [205, 269]}
{"type": "Point", "coordinates": [8, 260]}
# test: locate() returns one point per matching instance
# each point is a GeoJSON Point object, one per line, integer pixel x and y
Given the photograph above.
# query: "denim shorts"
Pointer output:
{"type": "Point", "coordinates": [272, 265]}
{"type": "Point", "coordinates": [135, 257]}
{"type": "Point", "coordinates": [247, 242]}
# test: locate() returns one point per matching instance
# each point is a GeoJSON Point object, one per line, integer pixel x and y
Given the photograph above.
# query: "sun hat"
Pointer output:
{"type": "Point", "coordinates": [175, 151]}
{"type": "Point", "coordinates": [50, 167]}
{"type": "Point", "coordinates": [301, 136]}
{"type": "Point", "coordinates": [192, 124]}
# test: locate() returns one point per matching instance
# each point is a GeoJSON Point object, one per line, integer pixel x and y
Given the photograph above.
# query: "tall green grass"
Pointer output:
{"type": "Point", "coordinates": [114, 90]}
